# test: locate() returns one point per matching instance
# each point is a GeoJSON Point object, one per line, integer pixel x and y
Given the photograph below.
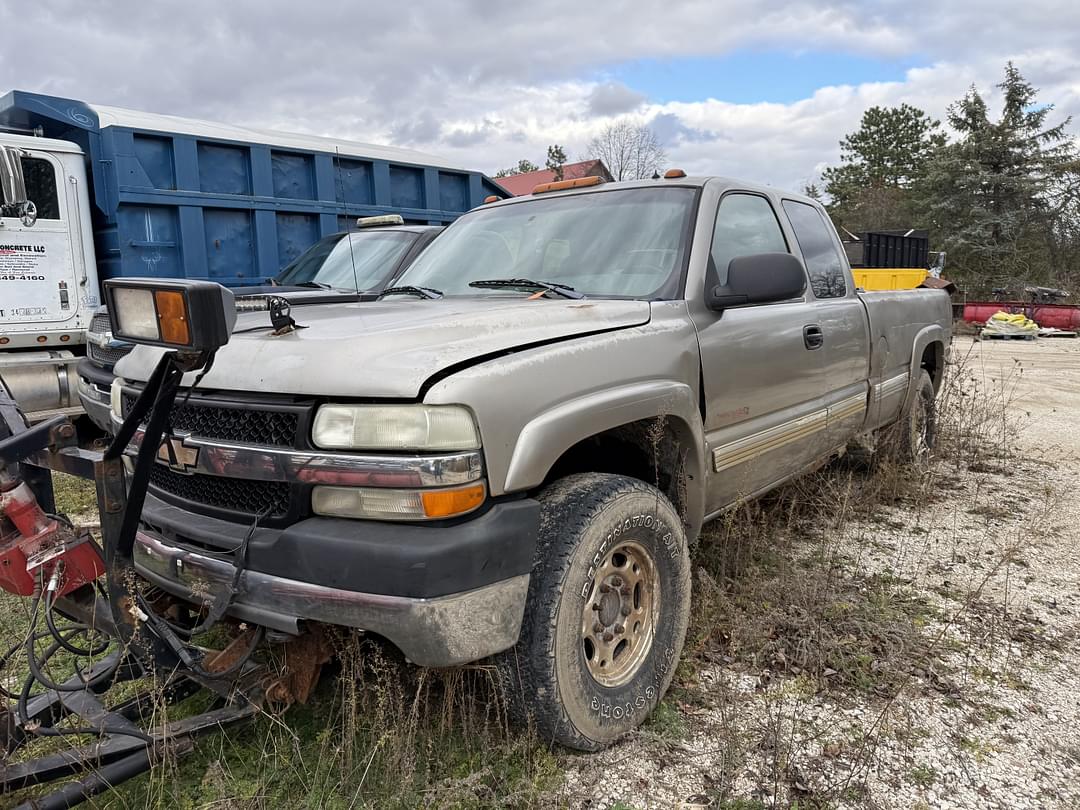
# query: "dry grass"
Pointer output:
{"type": "Point", "coordinates": [783, 598]}
{"type": "Point", "coordinates": [780, 598]}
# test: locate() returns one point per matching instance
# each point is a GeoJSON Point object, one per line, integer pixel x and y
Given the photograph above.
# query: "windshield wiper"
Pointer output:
{"type": "Point", "coordinates": [409, 289]}
{"type": "Point", "coordinates": [317, 285]}
{"type": "Point", "coordinates": [528, 284]}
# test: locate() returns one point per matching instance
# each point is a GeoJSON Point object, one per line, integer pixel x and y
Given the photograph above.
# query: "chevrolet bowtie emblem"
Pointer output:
{"type": "Point", "coordinates": [183, 458]}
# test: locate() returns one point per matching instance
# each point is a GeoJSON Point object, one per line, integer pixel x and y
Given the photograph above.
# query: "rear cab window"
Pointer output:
{"type": "Point", "coordinates": [820, 250]}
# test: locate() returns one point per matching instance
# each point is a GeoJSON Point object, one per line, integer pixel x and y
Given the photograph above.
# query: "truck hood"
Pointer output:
{"type": "Point", "coordinates": [389, 348]}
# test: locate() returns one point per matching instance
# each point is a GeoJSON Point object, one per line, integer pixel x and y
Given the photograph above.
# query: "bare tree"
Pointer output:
{"type": "Point", "coordinates": [630, 151]}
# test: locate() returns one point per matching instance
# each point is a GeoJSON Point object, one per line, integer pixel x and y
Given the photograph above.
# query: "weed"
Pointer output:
{"type": "Point", "coordinates": [666, 721]}
{"type": "Point", "coordinates": [923, 775]}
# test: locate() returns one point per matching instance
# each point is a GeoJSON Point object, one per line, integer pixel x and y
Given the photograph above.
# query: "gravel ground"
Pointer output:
{"type": "Point", "coordinates": [993, 723]}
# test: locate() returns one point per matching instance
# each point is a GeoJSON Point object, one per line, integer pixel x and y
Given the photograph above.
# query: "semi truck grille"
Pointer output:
{"type": "Point", "coordinates": [242, 425]}
{"type": "Point", "coordinates": [104, 356]}
{"type": "Point", "coordinates": [248, 498]}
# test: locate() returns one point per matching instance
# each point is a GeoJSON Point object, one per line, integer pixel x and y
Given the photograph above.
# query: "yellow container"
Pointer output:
{"type": "Point", "coordinates": [889, 278]}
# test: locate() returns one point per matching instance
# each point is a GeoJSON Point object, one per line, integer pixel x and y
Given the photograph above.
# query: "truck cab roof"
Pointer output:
{"type": "Point", "coordinates": [34, 142]}
{"type": "Point", "coordinates": [720, 182]}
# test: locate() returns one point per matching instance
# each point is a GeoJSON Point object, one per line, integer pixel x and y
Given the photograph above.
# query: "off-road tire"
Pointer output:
{"type": "Point", "coordinates": [587, 521]}
{"type": "Point", "coordinates": [915, 433]}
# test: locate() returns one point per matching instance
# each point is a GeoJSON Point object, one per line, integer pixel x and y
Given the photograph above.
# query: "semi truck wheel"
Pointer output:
{"type": "Point", "coordinates": [917, 428]}
{"type": "Point", "coordinates": [608, 606]}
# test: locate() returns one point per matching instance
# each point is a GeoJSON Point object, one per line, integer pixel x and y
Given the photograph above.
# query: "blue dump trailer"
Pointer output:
{"type": "Point", "coordinates": [123, 193]}
{"type": "Point", "coordinates": [184, 198]}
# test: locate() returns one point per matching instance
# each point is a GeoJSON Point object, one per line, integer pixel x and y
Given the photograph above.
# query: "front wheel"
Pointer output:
{"type": "Point", "coordinates": [608, 606]}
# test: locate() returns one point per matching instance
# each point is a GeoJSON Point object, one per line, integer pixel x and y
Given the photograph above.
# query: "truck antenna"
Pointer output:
{"type": "Point", "coordinates": [340, 183]}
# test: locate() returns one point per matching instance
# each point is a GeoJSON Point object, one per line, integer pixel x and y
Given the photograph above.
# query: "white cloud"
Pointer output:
{"type": "Point", "coordinates": [489, 83]}
{"type": "Point", "coordinates": [613, 98]}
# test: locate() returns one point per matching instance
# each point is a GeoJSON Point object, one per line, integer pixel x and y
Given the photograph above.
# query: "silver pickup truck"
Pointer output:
{"type": "Point", "coordinates": [513, 453]}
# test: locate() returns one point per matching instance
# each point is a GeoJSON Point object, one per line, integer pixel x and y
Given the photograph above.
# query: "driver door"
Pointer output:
{"type": "Point", "coordinates": [37, 271]}
{"type": "Point", "coordinates": [765, 411]}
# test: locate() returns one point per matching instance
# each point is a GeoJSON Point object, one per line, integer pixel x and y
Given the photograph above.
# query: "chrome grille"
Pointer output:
{"type": "Point", "coordinates": [104, 356]}
{"type": "Point", "coordinates": [246, 422]}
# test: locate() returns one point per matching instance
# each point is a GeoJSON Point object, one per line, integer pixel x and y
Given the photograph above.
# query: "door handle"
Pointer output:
{"type": "Point", "coordinates": [813, 337]}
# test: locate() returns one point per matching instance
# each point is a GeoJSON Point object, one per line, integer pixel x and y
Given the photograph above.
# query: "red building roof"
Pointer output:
{"type": "Point", "coordinates": [519, 185]}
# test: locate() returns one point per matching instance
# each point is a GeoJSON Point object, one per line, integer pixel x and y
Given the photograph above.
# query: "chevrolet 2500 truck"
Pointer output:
{"type": "Point", "coordinates": [516, 460]}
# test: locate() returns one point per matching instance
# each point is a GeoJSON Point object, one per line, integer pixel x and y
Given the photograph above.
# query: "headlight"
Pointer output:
{"type": "Point", "coordinates": [396, 504]}
{"type": "Point", "coordinates": [136, 313]}
{"type": "Point", "coordinates": [116, 398]}
{"type": "Point", "coordinates": [395, 427]}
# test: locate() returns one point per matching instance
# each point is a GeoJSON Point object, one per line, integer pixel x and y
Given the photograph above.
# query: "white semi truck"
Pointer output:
{"type": "Point", "coordinates": [48, 271]}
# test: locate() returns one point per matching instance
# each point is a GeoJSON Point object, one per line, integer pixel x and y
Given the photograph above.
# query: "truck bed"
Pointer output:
{"type": "Point", "coordinates": [899, 322]}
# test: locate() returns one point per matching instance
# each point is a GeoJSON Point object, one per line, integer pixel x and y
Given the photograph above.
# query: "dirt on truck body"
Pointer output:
{"type": "Point", "coordinates": [513, 451]}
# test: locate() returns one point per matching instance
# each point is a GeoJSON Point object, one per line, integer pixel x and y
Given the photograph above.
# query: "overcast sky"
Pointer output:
{"type": "Point", "coordinates": [760, 90]}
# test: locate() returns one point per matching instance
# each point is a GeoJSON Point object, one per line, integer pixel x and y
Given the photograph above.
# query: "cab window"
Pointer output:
{"type": "Point", "coordinates": [41, 187]}
{"type": "Point", "coordinates": [820, 251]}
{"type": "Point", "coordinates": [745, 224]}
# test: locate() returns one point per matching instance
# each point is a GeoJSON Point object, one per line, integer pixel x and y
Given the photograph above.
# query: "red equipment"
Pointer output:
{"type": "Point", "coordinates": [32, 542]}
{"type": "Point", "coordinates": [1059, 316]}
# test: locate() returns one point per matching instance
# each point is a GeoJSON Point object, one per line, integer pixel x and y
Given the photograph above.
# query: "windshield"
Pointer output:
{"type": "Point", "coordinates": [621, 244]}
{"type": "Point", "coordinates": [374, 257]}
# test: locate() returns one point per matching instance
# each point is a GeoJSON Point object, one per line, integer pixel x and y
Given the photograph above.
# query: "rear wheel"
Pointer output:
{"type": "Point", "coordinates": [608, 607]}
{"type": "Point", "coordinates": [917, 428]}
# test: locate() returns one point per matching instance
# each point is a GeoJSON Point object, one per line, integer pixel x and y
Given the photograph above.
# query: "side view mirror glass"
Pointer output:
{"type": "Point", "coordinates": [759, 279]}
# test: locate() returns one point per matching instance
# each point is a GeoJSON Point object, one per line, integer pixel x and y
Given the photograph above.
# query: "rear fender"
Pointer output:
{"type": "Point", "coordinates": [934, 333]}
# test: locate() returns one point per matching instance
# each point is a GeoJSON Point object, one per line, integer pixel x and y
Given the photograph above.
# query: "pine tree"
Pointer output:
{"type": "Point", "coordinates": [556, 157]}
{"type": "Point", "coordinates": [991, 195]}
{"type": "Point", "coordinates": [890, 149]}
{"type": "Point", "coordinates": [524, 166]}
{"type": "Point", "coordinates": [881, 162]}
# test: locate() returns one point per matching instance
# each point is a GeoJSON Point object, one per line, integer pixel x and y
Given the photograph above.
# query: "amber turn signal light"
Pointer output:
{"type": "Point", "coordinates": [449, 502]}
{"type": "Point", "coordinates": [172, 315]}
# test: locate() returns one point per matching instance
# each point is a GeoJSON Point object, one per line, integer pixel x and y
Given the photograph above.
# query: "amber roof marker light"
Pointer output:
{"type": "Point", "coordinates": [562, 185]}
{"type": "Point", "coordinates": [674, 174]}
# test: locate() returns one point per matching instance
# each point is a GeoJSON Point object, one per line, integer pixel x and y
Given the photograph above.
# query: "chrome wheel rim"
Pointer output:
{"type": "Point", "coordinates": [620, 614]}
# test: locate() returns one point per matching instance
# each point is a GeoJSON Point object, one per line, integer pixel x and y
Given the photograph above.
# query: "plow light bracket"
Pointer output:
{"type": "Point", "coordinates": [190, 316]}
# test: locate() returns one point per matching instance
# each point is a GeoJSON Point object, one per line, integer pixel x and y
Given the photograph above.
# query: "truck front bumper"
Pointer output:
{"type": "Point", "coordinates": [94, 385]}
{"type": "Point", "coordinates": [444, 595]}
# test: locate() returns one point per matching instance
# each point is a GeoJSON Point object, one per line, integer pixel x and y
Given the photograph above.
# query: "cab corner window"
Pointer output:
{"type": "Point", "coordinates": [745, 225]}
{"type": "Point", "coordinates": [819, 249]}
{"type": "Point", "coordinates": [41, 187]}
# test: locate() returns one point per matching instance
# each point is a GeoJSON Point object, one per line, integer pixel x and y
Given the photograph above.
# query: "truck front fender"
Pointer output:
{"type": "Point", "coordinates": [545, 438]}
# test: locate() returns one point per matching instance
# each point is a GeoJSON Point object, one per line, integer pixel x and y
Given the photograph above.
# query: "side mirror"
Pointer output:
{"type": "Point", "coordinates": [13, 185]}
{"type": "Point", "coordinates": [759, 279]}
